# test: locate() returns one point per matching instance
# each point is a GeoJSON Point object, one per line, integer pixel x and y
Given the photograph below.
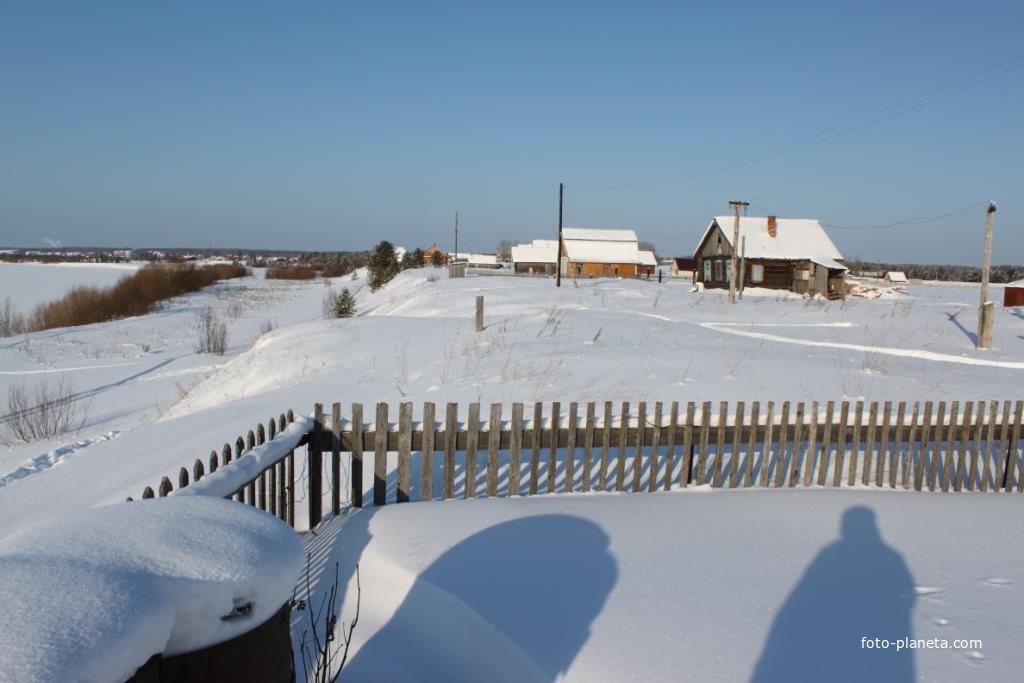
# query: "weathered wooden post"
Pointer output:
{"type": "Point", "coordinates": [315, 468]}
{"type": "Point", "coordinates": [479, 313]}
{"type": "Point", "coordinates": [987, 309]}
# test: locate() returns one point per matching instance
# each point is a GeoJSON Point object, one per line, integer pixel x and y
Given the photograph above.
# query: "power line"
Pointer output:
{"type": "Point", "coordinates": [839, 130]}
{"type": "Point", "coordinates": [906, 222]}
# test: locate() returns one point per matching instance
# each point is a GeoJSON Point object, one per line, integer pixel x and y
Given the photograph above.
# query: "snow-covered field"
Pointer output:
{"type": "Point", "coordinates": [30, 284]}
{"type": "Point", "coordinates": [719, 563]}
{"type": "Point", "coordinates": [697, 585]}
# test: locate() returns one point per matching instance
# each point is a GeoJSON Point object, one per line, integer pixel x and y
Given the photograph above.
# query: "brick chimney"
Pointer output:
{"type": "Point", "coordinates": [773, 227]}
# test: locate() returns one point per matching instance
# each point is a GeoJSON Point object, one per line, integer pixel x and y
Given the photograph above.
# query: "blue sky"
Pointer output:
{"type": "Point", "coordinates": [331, 126]}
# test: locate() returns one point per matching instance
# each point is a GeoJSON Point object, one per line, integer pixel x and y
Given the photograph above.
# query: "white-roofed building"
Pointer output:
{"type": "Point", "coordinates": [476, 260]}
{"type": "Point", "coordinates": [590, 252]}
{"type": "Point", "coordinates": [540, 257]}
{"type": "Point", "coordinates": [780, 253]}
{"type": "Point", "coordinates": [896, 276]}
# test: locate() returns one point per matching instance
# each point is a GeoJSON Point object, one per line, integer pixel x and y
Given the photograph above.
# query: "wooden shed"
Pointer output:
{"type": "Point", "coordinates": [781, 253]}
{"type": "Point", "coordinates": [1013, 295]}
{"type": "Point", "coordinates": [592, 252]}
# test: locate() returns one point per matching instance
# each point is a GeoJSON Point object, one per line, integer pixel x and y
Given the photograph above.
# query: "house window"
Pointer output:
{"type": "Point", "coordinates": [718, 271]}
{"type": "Point", "coordinates": [707, 270]}
{"type": "Point", "coordinates": [728, 271]}
{"type": "Point", "coordinates": [579, 269]}
{"type": "Point", "coordinates": [756, 272]}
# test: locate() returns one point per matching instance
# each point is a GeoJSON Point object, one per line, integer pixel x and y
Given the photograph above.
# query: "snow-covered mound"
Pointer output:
{"type": "Point", "coordinates": [93, 597]}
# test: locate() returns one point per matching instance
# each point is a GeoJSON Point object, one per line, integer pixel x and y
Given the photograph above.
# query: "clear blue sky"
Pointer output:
{"type": "Point", "coordinates": [330, 126]}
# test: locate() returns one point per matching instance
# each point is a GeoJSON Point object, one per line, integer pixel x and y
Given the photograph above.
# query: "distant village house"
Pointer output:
{"type": "Point", "coordinates": [683, 267]}
{"type": "Point", "coordinates": [781, 253]}
{"type": "Point", "coordinates": [432, 255]}
{"type": "Point", "coordinates": [540, 257]}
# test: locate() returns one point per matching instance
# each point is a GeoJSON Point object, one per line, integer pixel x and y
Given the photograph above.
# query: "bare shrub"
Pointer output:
{"type": "Point", "coordinates": [44, 411]}
{"type": "Point", "coordinates": [235, 309]}
{"type": "Point", "coordinates": [291, 273]}
{"type": "Point", "coordinates": [211, 332]}
{"type": "Point", "coordinates": [267, 326]}
{"type": "Point", "coordinates": [135, 294]}
{"type": "Point", "coordinates": [323, 653]}
{"type": "Point", "coordinates": [11, 322]}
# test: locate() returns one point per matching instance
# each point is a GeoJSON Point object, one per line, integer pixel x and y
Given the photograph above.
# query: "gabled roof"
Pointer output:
{"type": "Point", "coordinates": [795, 238]}
{"type": "Point", "coordinates": [539, 251]}
{"type": "Point", "coordinates": [590, 245]}
{"type": "Point", "coordinates": [598, 235]}
{"type": "Point", "coordinates": [684, 263]}
{"type": "Point", "coordinates": [647, 258]}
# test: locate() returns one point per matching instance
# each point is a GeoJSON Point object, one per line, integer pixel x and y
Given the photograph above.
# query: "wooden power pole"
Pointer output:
{"type": "Point", "coordinates": [455, 257]}
{"type": "Point", "coordinates": [986, 312]}
{"type": "Point", "coordinates": [734, 258]}
{"type": "Point", "coordinates": [558, 265]}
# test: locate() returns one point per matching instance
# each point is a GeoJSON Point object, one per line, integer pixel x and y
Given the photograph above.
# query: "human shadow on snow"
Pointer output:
{"type": "Point", "coordinates": [513, 602]}
{"type": "Point", "coordinates": [857, 587]}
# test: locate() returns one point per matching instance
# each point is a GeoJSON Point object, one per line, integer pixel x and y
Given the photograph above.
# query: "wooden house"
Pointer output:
{"type": "Point", "coordinates": [781, 253]}
{"type": "Point", "coordinates": [428, 255]}
{"type": "Point", "coordinates": [589, 252]}
{"type": "Point", "coordinates": [682, 267]}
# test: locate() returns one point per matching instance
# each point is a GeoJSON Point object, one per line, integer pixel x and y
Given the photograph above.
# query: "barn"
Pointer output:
{"type": "Point", "coordinates": [794, 254]}
{"type": "Point", "coordinates": [540, 257]}
{"type": "Point", "coordinates": [591, 252]}
{"type": "Point", "coordinates": [1013, 295]}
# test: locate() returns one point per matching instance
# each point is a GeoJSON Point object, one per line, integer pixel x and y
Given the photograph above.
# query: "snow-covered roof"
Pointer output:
{"type": "Point", "coordinates": [1018, 283]}
{"type": "Point", "coordinates": [896, 276]}
{"type": "Point", "coordinates": [476, 259]}
{"type": "Point", "coordinates": [599, 235]}
{"type": "Point", "coordinates": [647, 258]}
{"type": "Point", "coordinates": [539, 251]}
{"type": "Point", "coordinates": [591, 245]}
{"type": "Point", "coordinates": [795, 238]}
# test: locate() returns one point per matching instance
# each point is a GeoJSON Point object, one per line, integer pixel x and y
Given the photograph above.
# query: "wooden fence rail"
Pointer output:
{"type": "Point", "coordinates": [272, 489]}
{"type": "Point", "coordinates": [562, 448]}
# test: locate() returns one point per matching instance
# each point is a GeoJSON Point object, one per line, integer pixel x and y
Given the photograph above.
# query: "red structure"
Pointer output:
{"type": "Point", "coordinates": [1013, 295]}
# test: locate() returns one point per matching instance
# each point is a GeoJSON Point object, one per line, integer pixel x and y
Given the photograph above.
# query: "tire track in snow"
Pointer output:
{"type": "Point", "coordinates": [727, 328]}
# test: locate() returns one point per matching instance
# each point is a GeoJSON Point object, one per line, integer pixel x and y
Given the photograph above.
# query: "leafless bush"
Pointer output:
{"type": "Point", "coordinates": [267, 326]}
{"type": "Point", "coordinates": [211, 332]}
{"type": "Point", "coordinates": [11, 322]}
{"type": "Point", "coordinates": [43, 411]}
{"type": "Point", "coordinates": [235, 309]}
{"type": "Point", "coordinates": [323, 653]}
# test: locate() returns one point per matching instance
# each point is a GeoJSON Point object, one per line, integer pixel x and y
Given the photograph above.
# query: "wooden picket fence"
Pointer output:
{"type": "Point", "coordinates": [272, 490]}
{"type": "Point", "coordinates": [556, 448]}
{"type": "Point", "coordinates": [973, 446]}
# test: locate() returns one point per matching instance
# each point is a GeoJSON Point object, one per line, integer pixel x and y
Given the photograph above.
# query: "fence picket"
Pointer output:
{"type": "Point", "coordinates": [844, 417]}
{"type": "Point", "coordinates": [670, 450]}
{"type": "Point", "coordinates": [380, 454]}
{"type": "Point", "coordinates": [606, 440]}
{"type": "Point", "coordinates": [977, 434]}
{"type": "Point", "coordinates": [826, 450]}
{"type": "Point", "coordinates": [451, 444]}
{"type": "Point", "coordinates": [472, 444]}
{"type": "Point", "coordinates": [493, 446]}
{"type": "Point", "coordinates": [737, 436]}
{"type": "Point", "coordinates": [538, 417]}
{"type": "Point", "coordinates": [404, 452]}
{"type": "Point", "coordinates": [638, 452]}
{"type": "Point", "coordinates": [1004, 435]}
{"type": "Point", "coordinates": [427, 447]}
{"type": "Point", "coordinates": [686, 468]}
{"type": "Point", "coordinates": [570, 449]}
{"type": "Point", "coordinates": [748, 465]}
{"type": "Point", "coordinates": [855, 455]}
{"type": "Point", "coordinates": [780, 460]}
{"type": "Point", "coordinates": [652, 470]}
{"type": "Point", "coordinates": [948, 463]}
{"type": "Point", "coordinates": [766, 451]}
{"type": "Point", "coordinates": [1014, 445]}
{"type": "Point", "coordinates": [869, 443]}
{"type": "Point", "coordinates": [515, 449]}
{"type": "Point", "coordinates": [620, 454]}
{"type": "Point", "coordinates": [798, 439]}
{"type": "Point", "coordinates": [811, 459]}
{"type": "Point", "coordinates": [335, 461]}
{"type": "Point", "coordinates": [588, 446]}
{"type": "Point", "coordinates": [723, 419]}
{"type": "Point", "coordinates": [357, 455]}
{"type": "Point", "coordinates": [556, 419]}
{"type": "Point", "coordinates": [990, 439]}
{"type": "Point", "coordinates": [702, 453]}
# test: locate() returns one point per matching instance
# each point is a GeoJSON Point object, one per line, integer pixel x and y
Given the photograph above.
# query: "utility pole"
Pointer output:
{"type": "Point", "coordinates": [986, 312]}
{"type": "Point", "coordinates": [558, 266]}
{"type": "Point", "coordinates": [735, 204]}
{"type": "Point", "coordinates": [455, 257]}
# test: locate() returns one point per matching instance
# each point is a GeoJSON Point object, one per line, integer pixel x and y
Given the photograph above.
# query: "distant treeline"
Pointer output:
{"type": "Point", "coordinates": [917, 271]}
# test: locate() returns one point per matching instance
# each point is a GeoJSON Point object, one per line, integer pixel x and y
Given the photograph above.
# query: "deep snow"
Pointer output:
{"type": "Point", "coordinates": [701, 585]}
{"type": "Point", "coordinates": [30, 284]}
